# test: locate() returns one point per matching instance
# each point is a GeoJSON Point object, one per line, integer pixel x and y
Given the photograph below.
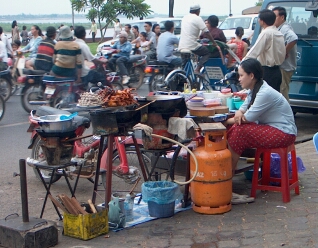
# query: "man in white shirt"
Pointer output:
{"type": "Point", "coordinates": [88, 76]}
{"type": "Point", "coordinates": [6, 42]}
{"type": "Point", "coordinates": [191, 27]}
{"type": "Point", "coordinates": [289, 65]}
{"type": "Point", "coordinates": [269, 49]}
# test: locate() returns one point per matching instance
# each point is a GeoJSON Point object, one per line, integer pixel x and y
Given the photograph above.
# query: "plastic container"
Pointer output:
{"type": "Point", "coordinates": [238, 104]}
{"type": "Point", "coordinates": [230, 103]}
{"type": "Point", "coordinates": [224, 97]}
{"type": "Point", "coordinates": [210, 95]}
{"type": "Point", "coordinates": [161, 210]}
{"type": "Point", "coordinates": [129, 208]}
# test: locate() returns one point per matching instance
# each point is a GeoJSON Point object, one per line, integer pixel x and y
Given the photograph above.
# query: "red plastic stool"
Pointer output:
{"type": "Point", "coordinates": [286, 183]}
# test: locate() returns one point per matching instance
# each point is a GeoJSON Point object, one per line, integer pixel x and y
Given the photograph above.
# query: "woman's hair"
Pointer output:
{"type": "Point", "coordinates": [118, 20]}
{"type": "Point", "coordinates": [14, 23]}
{"type": "Point", "coordinates": [24, 28]}
{"type": "Point", "coordinates": [38, 29]}
{"type": "Point", "coordinates": [213, 20]}
{"type": "Point", "coordinates": [255, 67]}
{"type": "Point", "coordinates": [239, 32]}
{"type": "Point", "coordinates": [144, 34]}
{"type": "Point", "coordinates": [136, 27]}
{"type": "Point", "coordinates": [154, 26]}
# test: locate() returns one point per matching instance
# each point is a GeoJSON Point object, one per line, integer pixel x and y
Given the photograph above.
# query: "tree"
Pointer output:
{"type": "Point", "coordinates": [259, 3]}
{"type": "Point", "coordinates": [107, 10]}
{"type": "Point", "coordinates": [171, 5]}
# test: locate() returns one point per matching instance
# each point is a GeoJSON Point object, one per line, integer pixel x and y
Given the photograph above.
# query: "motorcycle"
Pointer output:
{"type": "Point", "coordinates": [2, 107]}
{"type": "Point", "coordinates": [83, 149]}
{"type": "Point", "coordinates": [5, 84]}
{"type": "Point", "coordinates": [135, 66]}
{"type": "Point", "coordinates": [155, 74]}
{"type": "Point", "coordinates": [40, 89]}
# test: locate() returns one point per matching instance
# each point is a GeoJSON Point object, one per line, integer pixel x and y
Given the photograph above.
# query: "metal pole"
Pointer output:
{"type": "Point", "coordinates": [73, 17]}
{"type": "Point", "coordinates": [230, 7]}
{"type": "Point", "coordinates": [24, 190]}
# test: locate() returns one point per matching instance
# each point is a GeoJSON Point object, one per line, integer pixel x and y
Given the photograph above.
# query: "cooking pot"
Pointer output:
{"type": "Point", "coordinates": [164, 103]}
{"type": "Point", "coordinates": [52, 123]}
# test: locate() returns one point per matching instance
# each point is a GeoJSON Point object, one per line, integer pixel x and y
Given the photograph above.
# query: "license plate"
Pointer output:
{"type": "Point", "coordinates": [49, 91]}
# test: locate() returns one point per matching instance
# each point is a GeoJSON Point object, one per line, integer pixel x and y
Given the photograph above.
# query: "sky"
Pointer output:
{"type": "Point", "coordinates": [181, 7]}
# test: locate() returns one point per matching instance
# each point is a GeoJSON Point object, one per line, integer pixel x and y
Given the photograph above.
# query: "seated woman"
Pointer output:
{"type": "Point", "coordinates": [143, 43]}
{"type": "Point", "coordinates": [265, 120]}
{"type": "Point", "coordinates": [32, 47]}
{"type": "Point", "coordinates": [239, 48]}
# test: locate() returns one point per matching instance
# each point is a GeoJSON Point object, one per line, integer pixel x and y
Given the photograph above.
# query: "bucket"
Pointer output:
{"type": "Point", "coordinates": [121, 198]}
{"type": "Point", "coordinates": [161, 210]}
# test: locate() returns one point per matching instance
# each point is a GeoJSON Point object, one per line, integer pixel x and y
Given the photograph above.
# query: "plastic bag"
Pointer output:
{"type": "Point", "coordinates": [161, 192]}
{"type": "Point", "coordinates": [275, 165]}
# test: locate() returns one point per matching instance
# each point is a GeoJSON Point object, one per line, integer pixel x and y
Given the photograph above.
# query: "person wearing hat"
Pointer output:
{"type": "Point", "coordinates": [123, 48]}
{"type": "Point", "coordinates": [191, 27]}
{"type": "Point", "coordinates": [44, 56]}
{"type": "Point", "coordinates": [88, 76]}
{"type": "Point", "coordinates": [67, 56]}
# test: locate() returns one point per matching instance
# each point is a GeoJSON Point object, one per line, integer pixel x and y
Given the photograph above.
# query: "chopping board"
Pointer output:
{"type": "Point", "coordinates": [201, 111]}
{"type": "Point", "coordinates": [221, 109]}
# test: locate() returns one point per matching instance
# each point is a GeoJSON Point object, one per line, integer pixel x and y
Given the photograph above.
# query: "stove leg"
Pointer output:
{"type": "Point", "coordinates": [109, 173]}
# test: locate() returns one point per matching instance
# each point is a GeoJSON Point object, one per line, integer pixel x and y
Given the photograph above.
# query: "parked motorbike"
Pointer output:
{"type": "Point", "coordinates": [83, 149]}
{"type": "Point", "coordinates": [135, 67]}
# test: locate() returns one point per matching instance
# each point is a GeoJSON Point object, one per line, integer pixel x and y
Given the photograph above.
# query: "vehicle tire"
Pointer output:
{"type": "Point", "coordinates": [136, 75]}
{"type": "Point", "coordinates": [178, 79]}
{"type": "Point", "coordinates": [2, 107]}
{"type": "Point", "coordinates": [5, 88]}
{"type": "Point", "coordinates": [31, 94]}
{"type": "Point", "coordinates": [38, 154]}
{"type": "Point", "coordinates": [157, 83]}
{"type": "Point", "coordinates": [118, 184]}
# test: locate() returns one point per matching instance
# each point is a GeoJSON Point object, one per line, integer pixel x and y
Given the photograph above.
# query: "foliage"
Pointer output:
{"type": "Point", "coordinates": [92, 47]}
{"type": "Point", "coordinates": [106, 11]}
{"type": "Point", "coordinates": [259, 3]}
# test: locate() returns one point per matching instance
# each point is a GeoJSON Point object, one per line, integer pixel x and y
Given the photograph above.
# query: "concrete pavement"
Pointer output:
{"type": "Point", "coordinates": [268, 222]}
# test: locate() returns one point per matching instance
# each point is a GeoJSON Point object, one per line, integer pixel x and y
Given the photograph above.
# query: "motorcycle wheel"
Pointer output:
{"type": "Point", "coordinates": [38, 154]}
{"type": "Point", "coordinates": [118, 184]}
{"type": "Point", "coordinates": [2, 107]}
{"type": "Point", "coordinates": [5, 88]}
{"type": "Point", "coordinates": [157, 83]}
{"type": "Point", "coordinates": [31, 94]}
{"type": "Point", "coordinates": [136, 75]}
{"type": "Point", "coordinates": [179, 79]}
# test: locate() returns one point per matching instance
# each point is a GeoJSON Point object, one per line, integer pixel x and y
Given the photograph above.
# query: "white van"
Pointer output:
{"type": "Point", "coordinates": [229, 25]}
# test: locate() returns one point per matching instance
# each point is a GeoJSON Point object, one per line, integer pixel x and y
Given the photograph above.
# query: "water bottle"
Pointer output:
{"type": "Point", "coordinates": [128, 206]}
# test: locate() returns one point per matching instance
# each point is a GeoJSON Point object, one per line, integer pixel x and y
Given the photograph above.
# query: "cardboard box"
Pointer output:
{"type": "Point", "coordinates": [86, 226]}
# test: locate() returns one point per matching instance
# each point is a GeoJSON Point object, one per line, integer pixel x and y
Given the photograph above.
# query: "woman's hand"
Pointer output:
{"type": "Point", "coordinates": [239, 117]}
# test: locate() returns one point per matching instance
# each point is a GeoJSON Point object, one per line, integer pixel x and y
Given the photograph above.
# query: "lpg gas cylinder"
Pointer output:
{"type": "Point", "coordinates": [211, 189]}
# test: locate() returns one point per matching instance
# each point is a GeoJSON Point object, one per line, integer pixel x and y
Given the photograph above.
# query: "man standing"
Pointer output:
{"type": "Point", "coordinates": [123, 48]}
{"type": "Point", "coordinates": [44, 56]}
{"type": "Point", "coordinates": [166, 44]}
{"type": "Point", "coordinates": [131, 36]}
{"type": "Point", "coordinates": [88, 76]}
{"type": "Point", "coordinates": [269, 49]}
{"type": "Point", "coordinates": [6, 42]}
{"type": "Point", "coordinates": [191, 27]}
{"type": "Point", "coordinates": [289, 65]}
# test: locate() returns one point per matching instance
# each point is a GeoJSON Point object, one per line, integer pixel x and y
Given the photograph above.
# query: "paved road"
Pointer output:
{"type": "Point", "coordinates": [13, 146]}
